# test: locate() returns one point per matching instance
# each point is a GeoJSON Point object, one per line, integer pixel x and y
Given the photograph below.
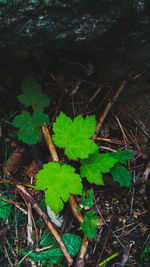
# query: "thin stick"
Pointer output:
{"type": "Point", "coordinates": [108, 107]}
{"type": "Point", "coordinates": [29, 211]}
{"type": "Point", "coordinates": [59, 101]}
{"type": "Point", "coordinates": [50, 144]}
{"type": "Point", "coordinates": [139, 125]}
{"type": "Point", "coordinates": [83, 249]}
{"type": "Point", "coordinates": [118, 142]}
{"type": "Point", "coordinates": [7, 255]}
{"type": "Point", "coordinates": [77, 214]}
{"type": "Point", "coordinates": [126, 253]}
{"type": "Point", "coordinates": [131, 101]}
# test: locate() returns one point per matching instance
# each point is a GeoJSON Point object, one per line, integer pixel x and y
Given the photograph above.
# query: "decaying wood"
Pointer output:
{"type": "Point", "coordinates": [15, 160]}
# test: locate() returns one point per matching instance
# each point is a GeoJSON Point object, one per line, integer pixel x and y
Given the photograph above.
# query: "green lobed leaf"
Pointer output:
{"type": "Point", "coordinates": [29, 126]}
{"type": "Point", "coordinates": [59, 181]}
{"type": "Point", "coordinates": [54, 255]}
{"type": "Point", "coordinates": [5, 209]}
{"type": "Point", "coordinates": [89, 226]}
{"type": "Point", "coordinates": [123, 155]}
{"type": "Point", "coordinates": [72, 243]}
{"type": "Point", "coordinates": [39, 118]}
{"type": "Point", "coordinates": [121, 175]}
{"type": "Point", "coordinates": [22, 120]}
{"type": "Point", "coordinates": [30, 135]}
{"type": "Point", "coordinates": [74, 136]}
{"type": "Point", "coordinates": [88, 200]}
{"type": "Point", "coordinates": [32, 94]}
{"type": "Point", "coordinates": [93, 167]}
{"type": "Point", "coordinates": [30, 84]}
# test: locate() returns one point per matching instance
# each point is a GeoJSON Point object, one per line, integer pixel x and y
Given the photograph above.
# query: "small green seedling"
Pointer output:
{"type": "Point", "coordinates": [30, 125]}
{"type": "Point", "coordinates": [58, 180]}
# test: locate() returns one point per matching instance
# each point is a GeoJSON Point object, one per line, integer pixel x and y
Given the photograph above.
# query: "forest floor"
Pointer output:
{"type": "Point", "coordinates": [123, 236]}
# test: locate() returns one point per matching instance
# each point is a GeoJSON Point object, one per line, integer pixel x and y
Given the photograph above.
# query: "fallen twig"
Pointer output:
{"type": "Point", "coordinates": [77, 214]}
{"type": "Point", "coordinates": [83, 249]}
{"type": "Point", "coordinates": [139, 124]}
{"type": "Point", "coordinates": [126, 253]}
{"type": "Point", "coordinates": [108, 107]}
{"type": "Point", "coordinates": [50, 144]}
{"type": "Point", "coordinates": [61, 88]}
{"type": "Point", "coordinates": [118, 142]}
{"type": "Point", "coordinates": [131, 101]}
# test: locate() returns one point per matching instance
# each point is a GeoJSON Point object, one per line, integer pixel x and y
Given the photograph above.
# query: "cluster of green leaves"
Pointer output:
{"type": "Point", "coordinates": [54, 255]}
{"type": "Point", "coordinates": [30, 125]}
{"type": "Point", "coordinates": [61, 180]}
{"type": "Point", "coordinates": [97, 164]}
{"type": "Point", "coordinates": [75, 137]}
